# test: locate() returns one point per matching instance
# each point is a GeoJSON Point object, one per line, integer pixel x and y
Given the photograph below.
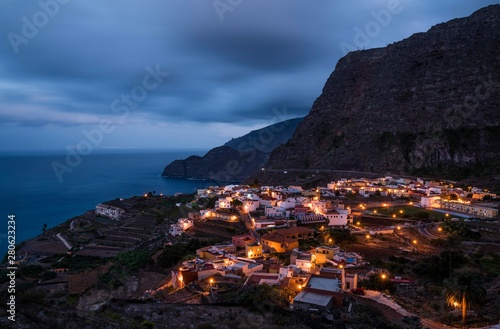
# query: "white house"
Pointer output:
{"type": "Point", "coordinates": [175, 229]}
{"type": "Point", "coordinates": [274, 211]}
{"type": "Point", "coordinates": [224, 203]}
{"type": "Point", "coordinates": [433, 190]}
{"type": "Point", "coordinates": [202, 192]}
{"type": "Point", "coordinates": [337, 217]}
{"type": "Point", "coordinates": [109, 211]}
{"type": "Point", "coordinates": [288, 203]}
{"type": "Point", "coordinates": [251, 205]}
{"type": "Point", "coordinates": [319, 207]}
{"type": "Point", "coordinates": [429, 201]}
{"type": "Point", "coordinates": [268, 202]}
{"type": "Point", "coordinates": [182, 225]}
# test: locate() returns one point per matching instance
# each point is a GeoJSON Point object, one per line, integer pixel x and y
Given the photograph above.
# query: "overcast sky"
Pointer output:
{"type": "Point", "coordinates": [185, 74]}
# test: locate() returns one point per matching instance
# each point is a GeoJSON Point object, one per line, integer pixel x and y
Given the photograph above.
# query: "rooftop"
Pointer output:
{"type": "Point", "coordinates": [314, 298]}
{"type": "Point", "coordinates": [324, 283]}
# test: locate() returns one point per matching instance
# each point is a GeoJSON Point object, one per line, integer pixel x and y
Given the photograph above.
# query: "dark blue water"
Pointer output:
{"type": "Point", "coordinates": [30, 189]}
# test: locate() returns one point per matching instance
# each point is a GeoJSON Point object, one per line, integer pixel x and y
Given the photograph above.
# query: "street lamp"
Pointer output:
{"type": "Point", "coordinates": [211, 281]}
{"type": "Point", "coordinates": [368, 236]}
{"type": "Point", "coordinates": [330, 241]}
{"type": "Point", "coordinates": [440, 229]}
{"type": "Point", "coordinates": [414, 241]}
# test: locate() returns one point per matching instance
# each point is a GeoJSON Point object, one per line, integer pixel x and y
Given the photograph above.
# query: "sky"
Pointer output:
{"type": "Point", "coordinates": [180, 74]}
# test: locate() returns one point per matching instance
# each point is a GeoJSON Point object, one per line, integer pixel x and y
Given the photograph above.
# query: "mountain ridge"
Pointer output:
{"type": "Point", "coordinates": [425, 105]}
{"type": "Point", "coordinates": [238, 158]}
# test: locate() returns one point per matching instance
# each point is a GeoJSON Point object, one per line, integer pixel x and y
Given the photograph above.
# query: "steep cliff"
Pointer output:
{"type": "Point", "coordinates": [236, 159]}
{"type": "Point", "coordinates": [429, 104]}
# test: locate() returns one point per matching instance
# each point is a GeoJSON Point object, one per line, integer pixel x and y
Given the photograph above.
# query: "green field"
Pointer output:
{"type": "Point", "coordinates": [407, 212]}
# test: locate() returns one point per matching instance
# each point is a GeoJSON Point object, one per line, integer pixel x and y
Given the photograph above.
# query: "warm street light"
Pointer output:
{"type": "Point", "coordinates": [358, 223]}
{"type": "Point", "coordinates": [383, 276]}
{"type": "Point", "coordinates": [211, 281]}
{"type": "Point", "coordinates": [375, 211]}
{"type": "Point", "coordinates": [393, 216]}
{"type": "Point", "coordinates": [399, 227]}
{"type": "Point", "coordinates": [330, 241]}
{"type": "Point", "coordinates": [401, 211]}
{"type": "Point", "coordinates": [440, 229]}
{"type": "Point", "coordinates": [368, 236]}
{"type": "Point", "coordinates": [414, 241]}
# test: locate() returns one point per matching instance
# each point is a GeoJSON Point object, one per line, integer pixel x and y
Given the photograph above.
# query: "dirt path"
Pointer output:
{"type": "Point", "coordinates": [391, 315]}
{"type": "Point", "coordinates": [374, 299]}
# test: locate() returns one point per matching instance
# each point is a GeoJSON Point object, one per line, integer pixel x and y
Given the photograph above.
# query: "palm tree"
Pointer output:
{"type": "Point", "coordinates": [452, 242]}
{"type": "Point", "coordinates": [464, 289]}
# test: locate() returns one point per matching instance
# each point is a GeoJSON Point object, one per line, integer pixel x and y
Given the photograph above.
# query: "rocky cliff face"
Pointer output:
{"type": "Point", "coordinates": [429, 104]}
{"type": "Point", "coordinates": [238, 158]}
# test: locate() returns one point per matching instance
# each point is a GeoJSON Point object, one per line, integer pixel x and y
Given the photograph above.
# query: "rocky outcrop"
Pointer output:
{"type": "Point", "coordinates": [429, 104]}
{"type": "Point", "coordinates": [238, 158]}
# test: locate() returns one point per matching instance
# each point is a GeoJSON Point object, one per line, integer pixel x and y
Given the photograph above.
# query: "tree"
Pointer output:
{"type": "Point", "coordinates": [452, 242]}
{"type": "Point", "coordinates": [236, 203]}
{"type": "Point", "coordinates": [44, 228]}
{"type": "Point", "coordinates": [464, 289]}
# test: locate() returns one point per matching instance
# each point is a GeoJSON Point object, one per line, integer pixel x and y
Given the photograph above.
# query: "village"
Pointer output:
{"type": "Point", "coordinates": [323, 246]}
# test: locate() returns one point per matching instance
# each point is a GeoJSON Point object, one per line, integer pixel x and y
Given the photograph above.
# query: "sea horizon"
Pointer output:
{"type": "Point", "coordinates": [32, 192]}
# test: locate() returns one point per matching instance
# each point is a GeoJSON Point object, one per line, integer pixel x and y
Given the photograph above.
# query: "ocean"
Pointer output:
{"type": "Point", "coordinates": [32, 192]}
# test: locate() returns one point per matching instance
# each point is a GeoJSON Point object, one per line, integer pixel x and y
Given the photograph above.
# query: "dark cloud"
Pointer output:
{"type": "Point", "coordinates": [262, 55]}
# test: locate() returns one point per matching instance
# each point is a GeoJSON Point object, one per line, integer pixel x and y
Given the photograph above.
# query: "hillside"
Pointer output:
{"type": "Point", "coordinates": [427, 105]}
